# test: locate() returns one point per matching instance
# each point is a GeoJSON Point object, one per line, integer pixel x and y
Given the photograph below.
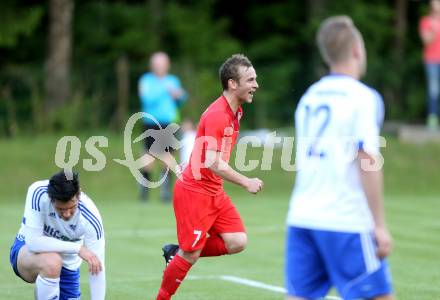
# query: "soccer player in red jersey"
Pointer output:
{"type": "Point", "coordinates": [208, 224]}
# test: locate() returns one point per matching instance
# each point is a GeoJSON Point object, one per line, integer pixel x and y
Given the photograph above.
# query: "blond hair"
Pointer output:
{"type": "Point", "coordinates": [335, 39]}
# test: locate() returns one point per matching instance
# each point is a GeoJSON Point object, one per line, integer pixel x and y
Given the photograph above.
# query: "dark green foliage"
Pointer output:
{"type": "Point", "coordinates": [17, 20]}
{"type": "Point", "coordinates": [279, 37]}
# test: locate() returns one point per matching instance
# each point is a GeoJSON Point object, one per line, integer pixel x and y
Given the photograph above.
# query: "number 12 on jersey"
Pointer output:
{"type": "Point", "coordinates": [316, 119]}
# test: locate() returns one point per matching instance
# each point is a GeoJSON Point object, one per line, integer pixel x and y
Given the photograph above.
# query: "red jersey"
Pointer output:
{"type": "Point", "coordinates": [431, 51]}
{"type": "Point", "coordinates": [218, 130]}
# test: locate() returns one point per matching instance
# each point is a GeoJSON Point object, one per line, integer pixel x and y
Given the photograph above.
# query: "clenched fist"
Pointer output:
{"type": "Point", "coordinates": [254, 185]}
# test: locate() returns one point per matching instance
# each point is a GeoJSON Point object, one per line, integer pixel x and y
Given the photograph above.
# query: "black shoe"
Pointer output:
{"type": "Point", "coordinates": [169, 251]}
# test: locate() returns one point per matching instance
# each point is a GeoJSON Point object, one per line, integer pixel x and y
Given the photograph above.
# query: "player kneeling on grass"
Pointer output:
{"type": "Point", "coordinates": [61, 226]}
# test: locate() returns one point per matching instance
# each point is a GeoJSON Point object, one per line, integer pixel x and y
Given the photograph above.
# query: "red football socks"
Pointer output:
{"type": "Point", "coordinates": [178, 267]}
{"type": "Point", "coordinates": [172, 277]}
{"type": "Point", "coordinates": [214, 246]}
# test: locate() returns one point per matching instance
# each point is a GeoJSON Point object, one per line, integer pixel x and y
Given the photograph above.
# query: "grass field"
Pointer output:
{"type": "Point", "coordinates": [135, 232]}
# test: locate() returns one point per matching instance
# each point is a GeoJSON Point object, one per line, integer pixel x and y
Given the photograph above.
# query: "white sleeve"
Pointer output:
{"type": "Point", "coordinates": [37, 242]}
{"type": "Point", "coordinates": [380, 109]}
{"type": "Point", "coordinates": [33, 210]}
{"type": "Point", "coordinates": [97, 285]}
{"type": "Point", "coordinates": [96, 243]}
{"type": "Point", "coordinates": [368, 122]}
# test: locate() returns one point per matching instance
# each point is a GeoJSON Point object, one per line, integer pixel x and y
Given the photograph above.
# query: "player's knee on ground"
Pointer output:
{"type": "Point", "coordinates": [235, 242]}
{"type": "Point", "coordinates": [50, 264]}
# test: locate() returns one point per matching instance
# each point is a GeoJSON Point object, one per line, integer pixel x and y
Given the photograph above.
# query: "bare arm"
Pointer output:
{"type": "Point", "coordinates": [221, 168]}
{"type": "Point", "coordinates": [372, 183]}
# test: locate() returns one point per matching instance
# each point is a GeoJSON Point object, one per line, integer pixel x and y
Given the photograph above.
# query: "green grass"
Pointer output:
{"type": "Point", "coordinates": [136, 232]}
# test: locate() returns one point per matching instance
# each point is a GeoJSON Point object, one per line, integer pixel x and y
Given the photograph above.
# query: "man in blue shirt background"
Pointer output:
{"type": "Point", "coordinates": [160, 95]}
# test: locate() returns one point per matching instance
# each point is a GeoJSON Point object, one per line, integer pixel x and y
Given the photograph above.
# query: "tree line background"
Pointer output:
{"type": "Point", "coordinates": [74, 65]}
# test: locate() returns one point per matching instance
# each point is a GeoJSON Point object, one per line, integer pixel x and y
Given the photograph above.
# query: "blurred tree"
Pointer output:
{"type": "Point", "coordinates": [123, 80]}
{"type": "Point", "coordinates": [198, 44]}
{"type": "Point", "coordinates": [11, 111]}
{"type": "Point", "coordinates": [156, 20]}
{"type": "Point", "coordinates": [395, 92]}
{"type": "Point", "coordinates": [17, 21]}
{"type": "Point", "coordinates": [58, 60]}
{"type": "Point", "coordinates": [316, 9]}
{"type": "Point", "coordinates": [110, 34]}
{"type": "Point", "coordinates": [277, 40]}
{"type": "Point", "coordinates": [114, 38]}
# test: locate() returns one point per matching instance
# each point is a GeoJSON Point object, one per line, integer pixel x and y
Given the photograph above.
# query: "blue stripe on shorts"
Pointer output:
{"type": "Point", "coordinates": [13, 253]}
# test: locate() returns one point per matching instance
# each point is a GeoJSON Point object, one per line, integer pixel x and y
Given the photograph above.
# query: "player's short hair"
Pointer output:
{"type": "Point", "coordinates": [229, 69]}
{"type": "Point", "coordinates": [63, 186]}
{"type": "Point", "coordinates": [335, 38]}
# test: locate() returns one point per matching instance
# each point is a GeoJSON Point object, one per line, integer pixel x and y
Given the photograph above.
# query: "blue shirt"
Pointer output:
{"type": "Point", "coordinates": [156, 99]}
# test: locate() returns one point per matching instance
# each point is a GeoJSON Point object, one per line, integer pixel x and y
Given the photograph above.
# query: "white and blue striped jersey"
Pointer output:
{"type": "Point", "coordinates": [337, 116]}
{"type": "Point", "coordinates": [83, 228]}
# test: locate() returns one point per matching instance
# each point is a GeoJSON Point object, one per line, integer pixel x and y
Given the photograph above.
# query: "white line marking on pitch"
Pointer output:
{"type": "Point", "coordinates": [251, 283]}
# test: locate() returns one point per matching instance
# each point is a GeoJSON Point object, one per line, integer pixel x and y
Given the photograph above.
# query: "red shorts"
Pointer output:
{"type": "Point", "coordinates": [199, 214]}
